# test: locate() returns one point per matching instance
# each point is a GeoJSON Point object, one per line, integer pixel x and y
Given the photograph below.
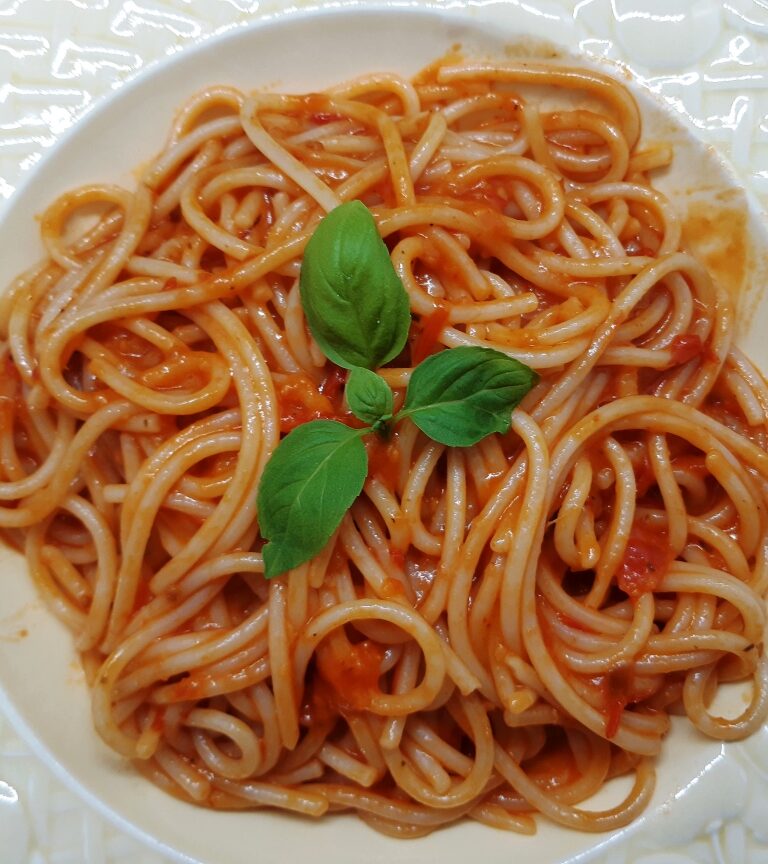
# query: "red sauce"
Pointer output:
{"type": "Point", "coordinates": [315, 103]}
{"type": "Point", "coordinates": [646, 560]}
{"type": "Point", "coordinates": [426, 342]}
{"type": "Point", "coordinates": [143, 595]}
{"type": "Point", "coordinates": [383, 461]}
{"type": "Point", "coordinates": [716, 231]}
{"type": "Point", "coordinates": [635, 246]}
{"type": "Point", "coordinates": [300, 401]}
{"type": "Point", "coordinates": [644, 476]}
{"type": "Point", "coordinates": [619, 688]}
{"type": "Point", "coordinates": [392, 589]}
{"type": "Point", "coordinates": [180, 371]}
{"type": "Point", "coordinates": [332, 385]}
{"type": "Point", "coordinates": [622, 382]}
{"type": "Point", "coordinates": [320, 707]}
{"type": "Point", "coordinates": [10, 382]}
{"type": "Point", "coordinates": [129, 346]}
{"type": "Point", "coordinates": [320, 118]}
{"type": "Point", "coordinates": [692, 463]}
{"type": "Point", "coordinates": [616, 700]}
{"type": "Point", "coordinates": [10, 393]}
{"type": "Point", "coordinates": [353, 670]}
{"type": "Point", "coordinates": [187, 690]}
{"type": "Point", "coordinates": [493, 223]}
{"type": "Point", "coordinates": [685, 348]}
{"type": "Point", "coordinates": [619, 692]}
{"type": "Point", "coordinates": [493, 195]}
{"type": "Point", "coordinates": [554, 765]}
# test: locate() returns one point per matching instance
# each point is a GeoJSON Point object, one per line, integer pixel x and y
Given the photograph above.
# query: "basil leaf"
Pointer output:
{"type": "Point", "coordinates": [354, 302]}
{"type": "Point", "coordinates": [309, 483]}
{"type": "Point", "coordinates": [461, 395]}
{"type": "Point", "coordinates": [368, 396]}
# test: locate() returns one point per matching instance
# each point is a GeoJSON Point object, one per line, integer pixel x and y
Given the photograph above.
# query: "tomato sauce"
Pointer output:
{"type": "Point", "coordinates": [320, 707]}
{"type": "Point", "coordinates": [617, 686]}
{"type": "Point", "coordinates": [187, 690]}
{"type": "Point", "coordinates": [383, 461]}
{"type": "Point", "coordinates": [158, 722]}
{"type": "Point", "coordinates": [10, 395]}
{"type": "Point", "coordinates": [554, 765]}
{"type": "Point", "coordinates": [332, 385]}
{"type": "Point", "coordinates": [352, 670]}
{"type": "Point", "coordinates": [493, 223]}
{"type": "Point", "coordinates": [143, 595]}
{"type": "Point", "coordinates": [180, 371]}
{"type": "Point", "coordinates": [300, 401]}
{"type": "Point", "coordinates": [493, 195]}
{"type": "Point", "coordinates": [320, 118]}
{"type": "Point", "coordinates": [685, 348]}
{"type": "Point", "coordinates": [620, 688]}
{"type": "Point", "coordinates": [129, 346]}
{"type": "Point", "coordinates": [392, 589]}
{"type": "Point", "coordinates": [646, 560]}
{"type": "Point", "coordinates": [692, 463]}
{"type": "Point", "coordinates": [428, 334]}
{"type": "Point", "coordinates": [716, 232]}
{"type": "Point", "coordinates": [644, 476]}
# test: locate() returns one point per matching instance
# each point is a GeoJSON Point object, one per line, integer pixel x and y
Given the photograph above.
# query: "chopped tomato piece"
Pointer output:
{"type": "Point", "coordinates": [352, 670]}
{"type": "Point", "coordinates": [300, 401]}
{"type": "Point", "coordinates": [646, 560]}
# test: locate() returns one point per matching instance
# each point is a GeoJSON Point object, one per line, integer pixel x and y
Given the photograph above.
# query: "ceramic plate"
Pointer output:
{"type": "Point", "coordinates": [41, 686]}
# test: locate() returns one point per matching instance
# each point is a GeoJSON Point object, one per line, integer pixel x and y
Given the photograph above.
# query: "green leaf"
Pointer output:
{"type": "Point", "coordinates": [354, 302]}
{"type": "Point", "coordinates": [310, 482]}
{"type": "Point", "coordinates": [368, 396]}
{"type": "Point", "coordinates": [461, 395]}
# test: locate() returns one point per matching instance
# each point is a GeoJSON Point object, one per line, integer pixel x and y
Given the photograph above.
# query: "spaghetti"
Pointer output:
{"type": "Point", "coordinates": [493, 632]}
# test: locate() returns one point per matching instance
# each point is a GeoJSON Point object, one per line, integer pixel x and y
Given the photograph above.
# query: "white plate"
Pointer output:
{"type": "Point", "coordinates": [299, 52]}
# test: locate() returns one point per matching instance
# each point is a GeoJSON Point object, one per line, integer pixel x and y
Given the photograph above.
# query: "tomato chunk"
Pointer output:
{"type": "Point", "coordinates": [300, 401]}
{"type": "Point", "coordinates": [646, 560]}
{"type": "Point", "coordinates": [352, 670]}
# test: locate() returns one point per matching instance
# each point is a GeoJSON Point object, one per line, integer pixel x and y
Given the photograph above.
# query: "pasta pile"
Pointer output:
{"type": "Point", "coordinates": [493, 632]}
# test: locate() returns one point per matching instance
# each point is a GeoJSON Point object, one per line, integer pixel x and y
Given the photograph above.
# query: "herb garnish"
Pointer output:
{"type": "Point", "coordinates": [358, 312]}
{"type": "Point", "coordinates": [354, 302]}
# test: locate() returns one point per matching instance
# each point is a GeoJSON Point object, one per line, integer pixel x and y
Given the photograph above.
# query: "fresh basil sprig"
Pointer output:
{"type": "Point", "coordinates": [307, 486]}
{"type": "Point", "coordinates": [354, 302]}
{"type": "Point", "coordinates": [356, 313]}
{"type": "Point", "coordinates": [369, 398]}
{"type": "Point", "coordinates": [459, 396]}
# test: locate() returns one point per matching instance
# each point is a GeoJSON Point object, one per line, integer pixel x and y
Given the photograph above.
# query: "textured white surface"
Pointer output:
{"type": "Point", "coordinates": [708, 59]}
